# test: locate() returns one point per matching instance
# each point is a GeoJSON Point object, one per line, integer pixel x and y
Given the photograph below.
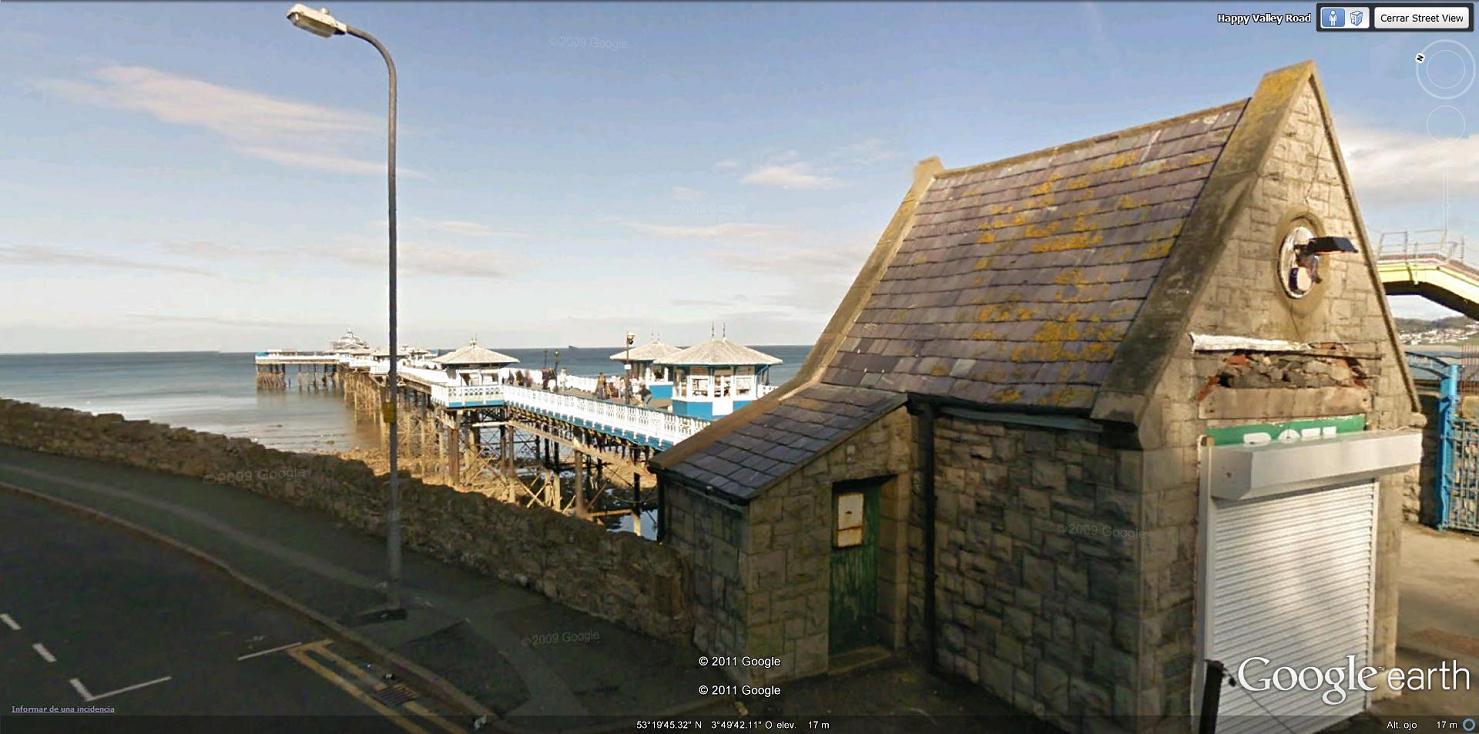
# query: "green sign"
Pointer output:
{"type": "Point", "coordinates": [1257, 434]}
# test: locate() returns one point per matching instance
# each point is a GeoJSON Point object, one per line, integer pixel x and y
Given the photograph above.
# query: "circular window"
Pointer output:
{"type": "Point", "coordinates": [1297, 277]}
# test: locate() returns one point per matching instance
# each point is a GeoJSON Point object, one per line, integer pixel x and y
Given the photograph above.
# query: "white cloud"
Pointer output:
{"type": "Point", "coordinates": [797, 175]}
{"type": "Point", "coordinates": [43, 255]}
{"type": "Point", "coordinates": [412, 256]}
{"type": "Point", "coordinates": [1399, 165]}
{"type": "Point", "coordinates": [289, 133]}
{"type": "Point", "coordinates": [459, 227]}
{"type": "Point", "coordinates": [865, 153]}
{"type": "Point", "coordinates": [728, 164]}
{"type": "Point", "coordinates": [715, 232]}
{"type": "Point", "coordinates": [232, 321]}
{"type": "Point", "coordinates": [683, 193]}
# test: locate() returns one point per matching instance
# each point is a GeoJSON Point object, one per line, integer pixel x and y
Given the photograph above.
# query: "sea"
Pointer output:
{"type": "Point", "coordinates": [216, 391]}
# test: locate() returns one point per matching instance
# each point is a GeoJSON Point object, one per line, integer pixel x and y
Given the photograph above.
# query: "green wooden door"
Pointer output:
{"type": "Point", "coordinates": [853, 610]}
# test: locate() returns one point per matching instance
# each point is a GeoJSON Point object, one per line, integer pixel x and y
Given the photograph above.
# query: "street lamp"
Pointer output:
{"type": "Point", "coordinates": [321, 23]}
{"type": "Point", "coordinates": [627, 398]}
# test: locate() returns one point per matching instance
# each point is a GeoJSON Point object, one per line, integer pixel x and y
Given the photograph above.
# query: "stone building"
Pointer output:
{"type": "Point", "coordinates": [1087, 418]}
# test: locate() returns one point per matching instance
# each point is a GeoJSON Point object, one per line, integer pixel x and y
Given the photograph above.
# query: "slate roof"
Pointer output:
{"type": "Point", "coordinates": [1018, 279]}
{"type": "Point", "coordinates": [719, 351]}
{"type": "Point", "coordinates": [1012, 288]}
{"type": "Point", "coordinates": [473, 353]}
{"type": "Point", "coordinates": [795, 428]}
{"type": "Point", "coordinates": [653, 350]}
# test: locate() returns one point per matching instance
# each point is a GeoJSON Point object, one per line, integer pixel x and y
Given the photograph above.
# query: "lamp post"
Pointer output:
{"type": "Point", "coordinates": [626, 399]}
{"type": "Point", "coordinates": [321, 23]}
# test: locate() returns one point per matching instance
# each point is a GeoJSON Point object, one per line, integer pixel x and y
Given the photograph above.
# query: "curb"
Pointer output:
{"type": "Point", "coordinates": [402, 667]}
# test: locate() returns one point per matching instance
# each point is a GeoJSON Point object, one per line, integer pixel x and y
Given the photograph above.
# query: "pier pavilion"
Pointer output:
{"type": "Point", "coordinates": [474, 364]}
{"type": "Point", "coordinates": [714, 378]}
{"type": "Point", "coordinates": [348, 343]}
{"type": "Point", "coordinates": [1083, 423]}
{"type": "Point", "coordinates": [639, 363]}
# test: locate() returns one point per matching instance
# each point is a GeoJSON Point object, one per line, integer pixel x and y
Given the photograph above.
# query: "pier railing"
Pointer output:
{"type": "Point", "coordinates": [587, 384]}
{"type": "Point", "coordinates": [463, 396]}
{"type": "Point", "coordinates": [662, 426]}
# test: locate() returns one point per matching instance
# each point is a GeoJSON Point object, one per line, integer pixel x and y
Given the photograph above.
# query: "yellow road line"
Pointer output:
{"type": "Point", "coordinates": [322, 647]}
{"type": "Point", "coordinates": [298, 654]}
{"type": "Point", "coordinates": [426, 713]}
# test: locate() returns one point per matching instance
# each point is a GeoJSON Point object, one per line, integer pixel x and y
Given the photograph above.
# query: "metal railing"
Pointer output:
{"type": "Point", "coordinates": [1420, 244]}
{"type": "Point", "coordinates": [587, 384]}
{"type": "Point", "coordinates": [461, 396]}
{"type": "Point", "coordinates": [659, 425]}
{"type": "Point", "coordinates": [292, 357]}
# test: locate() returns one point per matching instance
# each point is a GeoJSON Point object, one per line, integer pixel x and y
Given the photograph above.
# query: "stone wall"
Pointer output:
{"type": "Point", "coordinates": [617, 576]}
{"type": "Point", "coordinates": [1036, 578]}
{"type": "Point", "coordinates": [1420, 504]}
{"type": "Point", "coordinates": [708, 533]}
{"type": "Point", "coordinates": [1245, 298]}
{"type": "Point", "coordinates": [766, 591]}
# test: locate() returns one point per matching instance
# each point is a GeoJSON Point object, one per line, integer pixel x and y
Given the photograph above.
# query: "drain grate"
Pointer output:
{"type": "Point", "coordinates": [395, 695]}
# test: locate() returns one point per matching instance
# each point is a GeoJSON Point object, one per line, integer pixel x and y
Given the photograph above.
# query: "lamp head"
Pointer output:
{"type": "Point", "coordinates": [1317, 245]}
{"type": "Point", "coordinates": [318, 22]}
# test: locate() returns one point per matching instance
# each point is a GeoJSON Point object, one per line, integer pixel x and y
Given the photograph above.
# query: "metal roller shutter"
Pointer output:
{"type": "Point", "coordinates": [1292, 582]}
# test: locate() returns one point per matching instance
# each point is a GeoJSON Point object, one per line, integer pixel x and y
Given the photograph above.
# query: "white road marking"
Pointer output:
{"type": "Point", "coordinates": [88, 697]}
{"type": "Point", "coordinates": [279, 648]}
{"type": "Point", "coordinates": [10, 622]}
{"type": "Point", "coordinates": [43, 652]}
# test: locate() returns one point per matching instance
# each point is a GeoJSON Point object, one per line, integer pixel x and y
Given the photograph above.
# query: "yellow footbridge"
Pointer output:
{"type": "Point", "coordinates": [1429, 264]}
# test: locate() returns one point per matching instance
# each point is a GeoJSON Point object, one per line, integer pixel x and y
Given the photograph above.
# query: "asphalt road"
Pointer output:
{"type": "Point", "coordinates": [93, 615]}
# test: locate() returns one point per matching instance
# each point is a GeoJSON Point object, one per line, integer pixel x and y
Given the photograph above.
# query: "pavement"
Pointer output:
{"type": "Point", "coordinates": [1438, 623]}
{"type": "Point", "coordinates": [116, 611]}
{"type": "Point", "coordinates": [533, 664]}
{"type": "Point", "coordinates": [100, 629]}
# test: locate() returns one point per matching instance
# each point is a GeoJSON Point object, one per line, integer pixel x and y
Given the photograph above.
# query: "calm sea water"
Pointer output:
{"type": "Point", "coordinates": [216, 391]}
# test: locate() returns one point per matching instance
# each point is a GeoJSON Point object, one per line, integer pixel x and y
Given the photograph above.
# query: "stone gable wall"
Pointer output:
{"type": "Point", "coordinates": [762, 575]}
{"type": "Point", "coordinates": [617, 576]}
{"type": "Point", "coordinates": [1245, 298]}
{"type": "Point", "coordinates": [1036, 579]}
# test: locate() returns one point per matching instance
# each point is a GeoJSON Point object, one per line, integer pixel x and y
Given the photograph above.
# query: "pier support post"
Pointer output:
{"type": "Point", "coordinates": [637, 504]}
{"type": "Point", "coordinates": [579, 486]}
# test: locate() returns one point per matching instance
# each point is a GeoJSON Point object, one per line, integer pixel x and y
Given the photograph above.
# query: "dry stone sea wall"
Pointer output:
{"type": "Point", "coordinates": [617, 576]}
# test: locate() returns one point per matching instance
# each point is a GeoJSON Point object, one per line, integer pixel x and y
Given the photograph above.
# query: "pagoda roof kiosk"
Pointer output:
{"type": "Point", "coordinates": [716, 377]}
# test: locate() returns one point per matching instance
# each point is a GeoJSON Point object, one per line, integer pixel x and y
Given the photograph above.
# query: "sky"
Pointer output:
{"type": "Point", "coordinates": [184, 176]}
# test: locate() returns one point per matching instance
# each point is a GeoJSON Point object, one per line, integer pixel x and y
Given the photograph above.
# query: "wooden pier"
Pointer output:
{"type": "Point", "coordinates": [495, 430]}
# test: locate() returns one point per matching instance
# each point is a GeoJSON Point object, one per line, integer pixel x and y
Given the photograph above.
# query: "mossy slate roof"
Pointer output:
{"type": "Point", "coordinates": [1018, 279]}
{"type": "Point", "coordinates": [757, 453]}
{"type": "Point", "coordinates": [1012, 288]}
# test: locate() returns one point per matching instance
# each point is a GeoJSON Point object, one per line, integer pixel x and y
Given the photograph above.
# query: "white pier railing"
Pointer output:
{"type": "Point", "coordinates": [656, 427]}
{"type": "Point", "coordinates": [467, 396]}
{"type": "Point", "coordinates": [588, 384]}
{"type": "Point", "coordinates": [629, 420]}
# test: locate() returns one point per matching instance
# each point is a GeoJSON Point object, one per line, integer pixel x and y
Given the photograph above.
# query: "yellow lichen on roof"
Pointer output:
{"type": "Point", "coordinates": [1067, 395]}
{"type": "Point", "coordinates": [1045, 187]}
{"type": "Point", "coordinates": [1150, 168]}
{"type": "Point", "coordinates": [1076, 241]}
{"type": "Point", "coordinates": [1043, 230]}
{"type": "Point", "coordinates": [1069, 276]}
{"type": "Point", "coordinates": [1009, 395]}
{"type": "Point", "coordinates": [983, 263]}
{"type": "Point", "coordinates": [1131, 201]}
{"type": "Point", "coordinates": [1202, 158]}
{"type": "Point", "coordinates": [1055, 331]}
{"type": "Point", "coordinates": [986, 238]}
{"type": "Point", "coordinates": [1159, 248]}
{"type": "Point", "coordinates": [1118, 160]}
